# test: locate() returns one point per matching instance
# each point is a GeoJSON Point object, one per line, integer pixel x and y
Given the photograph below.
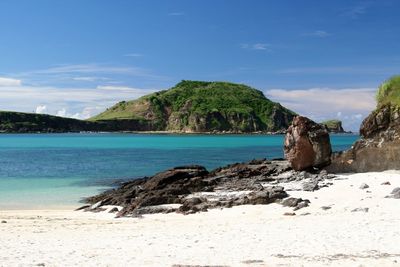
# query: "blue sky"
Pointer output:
{"type": "Point", "coordinates": [323, 59]}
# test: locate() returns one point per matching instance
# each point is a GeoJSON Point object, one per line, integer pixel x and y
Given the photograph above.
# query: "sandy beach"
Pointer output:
{"type": "Point", "coordinates": [356, 227]}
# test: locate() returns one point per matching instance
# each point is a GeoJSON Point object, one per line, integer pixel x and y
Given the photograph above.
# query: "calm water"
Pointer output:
{"type": "Point", "coordinates": [44, 170]}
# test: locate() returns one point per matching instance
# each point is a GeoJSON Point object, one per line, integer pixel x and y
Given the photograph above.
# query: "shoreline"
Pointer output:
{"type": "Point", "coordinates": [342, 233]}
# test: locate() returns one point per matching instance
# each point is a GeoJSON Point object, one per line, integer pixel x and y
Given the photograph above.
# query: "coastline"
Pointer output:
{"type": "Point", "coordinates": [342, 234]}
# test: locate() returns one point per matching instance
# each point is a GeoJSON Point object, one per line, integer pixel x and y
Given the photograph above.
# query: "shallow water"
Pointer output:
{"type": "Point", "coordinates": [43, 170]}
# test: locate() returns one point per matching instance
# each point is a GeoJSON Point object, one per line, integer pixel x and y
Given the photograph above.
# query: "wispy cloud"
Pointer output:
{"type": "Point", "coordinates": [256, 46]}
{"type": "Point", "coordinates": [176, 14]}
{"type": "Point", "coordinates": [318, 33]}
{"type": "Point", "coordinates": [89, 79]}
{"type": "Point", "coordinates": [69, 102]}
{"type": "Point", "coordinates": [351, 105]}
{"type": "Point", "coordinates": [9, 82]}
{"type": "Point", "coordinates": [133, 55]}
{"type": "Point", "coordinates": [358, 10]}
{"type": "Point", "coordinates": [92, 68]}
{"type": "Point", "coordinates": [75, 74]}
{"type": "Point", "coordinates": [339, 70]}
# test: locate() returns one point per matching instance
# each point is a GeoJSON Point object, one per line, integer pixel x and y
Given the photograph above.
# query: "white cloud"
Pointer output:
{"type": "Point", "coordinates": [41, 109]}
{"type": "Point", "coordinates": [9, 82]}
{"type": "Point", "coordinates": [350, 105]}
{"type": "Point", "coordinates": [256, 46]}
{"type": "Point", "coordinates": [66, 102]}
{"type": "Point", "coordinates": [62, 112]}
{"type": "Point", "coordinates": [318, 33]}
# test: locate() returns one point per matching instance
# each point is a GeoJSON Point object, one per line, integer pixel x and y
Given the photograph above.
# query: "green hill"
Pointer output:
{"type": "Point", "coordinates": [195, 106]}
{"type": "Point", "coordinates": [334, 126]}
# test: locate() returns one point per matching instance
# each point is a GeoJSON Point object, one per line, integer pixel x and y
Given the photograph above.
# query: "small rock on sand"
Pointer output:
{"type": "Point", "coordinates": [360, 210]}
{"type": "Point", "coordinates": [385, 183]}
{"type": "Point", "coordinates": [3, 221]}
{"type": "Point", "coordinates": [364, 186]}
{"type": "Point", "coordinates": [289, 214]}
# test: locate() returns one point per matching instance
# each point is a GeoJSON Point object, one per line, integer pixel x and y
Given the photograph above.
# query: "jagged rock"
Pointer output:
{"type": "Point", "coordinates": [307, 144]}
{"type": "Point", "coordinates": [310, 186]}
{"type": "Point", "coordinates": [364, 186]}
{"type": "Point", "coordinates": [386, 183]}
{"type": "Point", "coordinates": [379, 147]}
{"type": "Point", "coordinates": [173, 186]}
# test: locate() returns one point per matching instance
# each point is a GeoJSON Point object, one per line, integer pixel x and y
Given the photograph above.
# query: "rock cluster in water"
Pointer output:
{"type": "Point", "coordinates": [193, 188]}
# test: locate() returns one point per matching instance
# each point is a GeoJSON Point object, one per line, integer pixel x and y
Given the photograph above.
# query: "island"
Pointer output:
{"type": "Point", "coordinates": [188, 107]}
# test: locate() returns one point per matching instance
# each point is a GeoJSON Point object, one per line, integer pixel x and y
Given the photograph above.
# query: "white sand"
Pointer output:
{"type": "Point", "coordinates": [240, 236]}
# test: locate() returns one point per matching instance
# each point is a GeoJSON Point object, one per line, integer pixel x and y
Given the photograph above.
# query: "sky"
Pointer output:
{"type": "Point", "coordinates": [73, 58]}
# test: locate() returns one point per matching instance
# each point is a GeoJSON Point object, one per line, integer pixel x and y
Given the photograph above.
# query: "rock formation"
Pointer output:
{"type": "Point", "coordinates": [334, 126]}
{"type": "Point", "coordinates": [379, 146]}
{"type": "Point", "coordinates": [307, 144]}
{"type": "Point", "coordinates": [193, 189]}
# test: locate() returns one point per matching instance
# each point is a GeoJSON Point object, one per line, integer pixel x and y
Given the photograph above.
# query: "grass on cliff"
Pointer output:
{"type": "Point", "coordinates": [331, 123]}
{"type": "Point", "coordinates": [389, 92]}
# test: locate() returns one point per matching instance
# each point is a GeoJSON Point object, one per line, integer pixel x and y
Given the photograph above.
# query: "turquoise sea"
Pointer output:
{"type": "Point", "coordinates": [54, 170]}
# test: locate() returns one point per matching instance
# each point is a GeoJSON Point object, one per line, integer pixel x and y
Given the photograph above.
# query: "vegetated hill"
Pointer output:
{"type": "Point", "coordinates": [12, 122]}
{"type": "Point", "coordinates": [196, 106]}
{"type": "Point", "coordinates": [333, 126]}
{"type": "Point", "coordinates": [19, 122]}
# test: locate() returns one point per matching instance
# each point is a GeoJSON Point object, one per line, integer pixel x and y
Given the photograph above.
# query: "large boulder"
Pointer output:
{"type": "Point", "coordinates": [307, 144]}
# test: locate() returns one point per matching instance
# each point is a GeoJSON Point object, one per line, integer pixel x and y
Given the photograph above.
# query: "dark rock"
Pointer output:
{"type": "Point", "coordinates": [364, 186]}
{"type": "Point", "coordinates": [379, 147]}
{"type": "Point", "coordinates": [113, 210]}
{"type": "Point", "coordinates": [385, 183]}
{"type": "Point", "coordinates": [310, 186]}
{"type": "Point", "coordinates": [360, 210]}
{"type": "Point", "coordinates": [307, 144]}
{"type": "Point", "coordinates": [289, 214]}
{"type": "Point", "coordinates": [176, 186]}
{"type": "Point", "coordinates": [326, 207]}
{"type": "Point", "coordinates": [83, 207]}
{"type": "Point", "coordinates": [3, 221]}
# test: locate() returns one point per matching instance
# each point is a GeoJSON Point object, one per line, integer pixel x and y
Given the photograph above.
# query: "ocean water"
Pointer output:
{"type": "Point", "coordinates": [54, 170]}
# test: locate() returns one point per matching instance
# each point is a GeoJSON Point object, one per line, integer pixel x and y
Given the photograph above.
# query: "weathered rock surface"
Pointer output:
{"type": "Point", "coordinates": [192, 189]}
{"type": "Point", "coordinates": [307, 144]}
{"type": "Point", "coordinates": [379, 147]}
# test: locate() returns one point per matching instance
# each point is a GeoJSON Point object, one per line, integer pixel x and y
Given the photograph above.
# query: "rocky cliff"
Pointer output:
{"type": "Point", "coordinates": [379, 146]}
{"type": "Point", "coordinates": [195, 106]}
{"type": "Point", "coordinates": [334, 126]}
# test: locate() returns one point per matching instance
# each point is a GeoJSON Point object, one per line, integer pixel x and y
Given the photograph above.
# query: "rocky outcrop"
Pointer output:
{"type": "Point", "coordinates": [307, 144]}
{"type": "Point", "coordinates": [192, 189]}
{"type": "Point", "coordinates": [334, 126]}
{"type": "Point", "coordinates": [379, 146]}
